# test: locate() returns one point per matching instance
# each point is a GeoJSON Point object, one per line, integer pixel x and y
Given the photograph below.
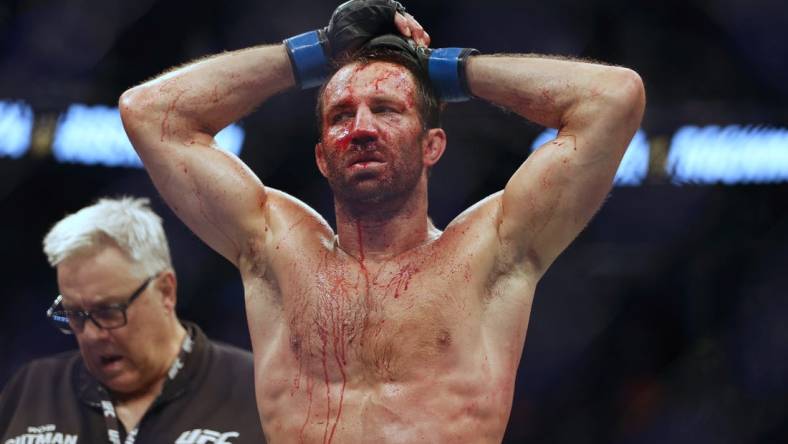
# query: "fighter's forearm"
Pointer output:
{"type": "Point", "coordinates": [557, 93]}
{"type": "Point", "coordinates": [210, 93]}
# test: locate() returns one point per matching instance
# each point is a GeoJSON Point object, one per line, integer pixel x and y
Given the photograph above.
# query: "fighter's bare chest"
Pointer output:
{"type": "Point", "coordinates": [382, 318]}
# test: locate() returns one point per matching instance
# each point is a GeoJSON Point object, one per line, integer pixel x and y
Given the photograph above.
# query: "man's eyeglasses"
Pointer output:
{"type": "Point", "coordinates": [107, 317]}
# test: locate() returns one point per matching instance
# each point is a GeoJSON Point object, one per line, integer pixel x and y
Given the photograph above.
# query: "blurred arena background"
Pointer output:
{"type": "Point", "coordinates": [665, 322]}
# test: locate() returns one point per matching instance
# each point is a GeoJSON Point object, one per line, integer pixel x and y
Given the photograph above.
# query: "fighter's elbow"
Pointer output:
{"type": "Point", "coordinates": [126, 101]}
{"type": "Point", "coordinates": [133, 110]}
{"type": "Point", "coordinates": [627, 94]}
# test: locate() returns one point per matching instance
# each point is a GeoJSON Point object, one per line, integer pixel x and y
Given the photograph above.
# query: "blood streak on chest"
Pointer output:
{"type": "Point", "coordinates": [330, 319]}
{"type": "Point", "coordinates": [401, 280]}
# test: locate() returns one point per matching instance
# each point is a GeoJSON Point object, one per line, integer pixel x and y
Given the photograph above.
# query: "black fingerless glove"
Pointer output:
{"type": "Point", "coordinates": [444, 66]}
{"type": "Point", "coordinates": [352, 24]}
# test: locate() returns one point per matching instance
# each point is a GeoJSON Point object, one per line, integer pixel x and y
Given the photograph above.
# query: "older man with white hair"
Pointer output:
{"type": "Point", "coordinates": [140, 374]}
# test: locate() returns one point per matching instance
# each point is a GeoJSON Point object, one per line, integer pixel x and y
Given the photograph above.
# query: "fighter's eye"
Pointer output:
{"type": "Point", "coordinates": [383, 109]}
{"type": "Point", "coordinates": [338, 117]}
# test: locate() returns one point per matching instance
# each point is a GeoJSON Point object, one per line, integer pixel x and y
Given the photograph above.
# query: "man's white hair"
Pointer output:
{"type": "Point", "coordinates": [125, 222]}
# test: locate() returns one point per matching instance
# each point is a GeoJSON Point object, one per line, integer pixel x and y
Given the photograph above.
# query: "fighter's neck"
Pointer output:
{"type": "Point", "coordinates": [381, 234]}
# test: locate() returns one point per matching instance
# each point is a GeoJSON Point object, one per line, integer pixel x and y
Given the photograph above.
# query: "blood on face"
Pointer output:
{"type": "Point", "coordinates": [366, 98]}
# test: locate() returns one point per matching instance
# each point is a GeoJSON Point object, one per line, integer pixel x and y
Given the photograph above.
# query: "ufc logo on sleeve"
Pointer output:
{"type": "Point", "coordinates": [205, 436]}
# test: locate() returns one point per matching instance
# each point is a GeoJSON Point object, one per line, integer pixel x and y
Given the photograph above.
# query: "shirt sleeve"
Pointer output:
{"type": "Point", "coordinates": [9, 400]}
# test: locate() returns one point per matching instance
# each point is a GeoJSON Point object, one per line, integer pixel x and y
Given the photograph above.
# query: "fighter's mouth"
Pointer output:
{"type": "Point", "coordinates": [366, 163]}
{"type": "Point", "coordinates": [366, 159]}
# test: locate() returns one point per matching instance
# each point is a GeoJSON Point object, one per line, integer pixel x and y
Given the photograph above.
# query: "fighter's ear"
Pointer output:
{"type": "Point", "coordinates": [320, 158]}
{"type": "Point", "coordinates": [433, 146]}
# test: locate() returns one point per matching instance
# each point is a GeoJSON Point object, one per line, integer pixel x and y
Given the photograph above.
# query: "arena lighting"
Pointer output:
{"type": "Point", "coordinates": [94, 135]}
{"type": "Point", "coordinates": [16, 127]}
{"type": "Point", "coordinates": [634, 166]}
{"type": "Point", "coordinates": [729, 155]}
{"type": "Point", "coordinates": [697, 155]}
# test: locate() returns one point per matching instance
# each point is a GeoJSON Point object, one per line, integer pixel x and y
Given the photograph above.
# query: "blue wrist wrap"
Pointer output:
{"type": "Point", "coordinates": [308, 58]}
{"type": "Point", "coordinates": [447, 73]}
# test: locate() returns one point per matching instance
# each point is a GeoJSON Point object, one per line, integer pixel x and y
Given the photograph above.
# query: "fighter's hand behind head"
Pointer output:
{"type": "Point", "coordinates": [352, 25]}
{"type": "Point", "coordinates": [409, 27]}
{"type": "Point", "coordinates": [355, 22]}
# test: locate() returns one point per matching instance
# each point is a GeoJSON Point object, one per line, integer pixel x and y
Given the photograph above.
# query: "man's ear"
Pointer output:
{"type": "Point", "coordinates": [433, 146]}
{"type": "Point", "coordinates": [320, 158]}
{"type": "Point", "coordinates": [167, 285]}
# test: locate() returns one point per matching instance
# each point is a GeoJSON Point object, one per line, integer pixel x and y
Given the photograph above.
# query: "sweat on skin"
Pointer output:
{"type": "Point", "coordinates": [388, 330]}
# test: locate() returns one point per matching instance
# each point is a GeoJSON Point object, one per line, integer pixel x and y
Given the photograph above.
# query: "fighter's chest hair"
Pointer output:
{"type": "Point", "coordinates": [371, 309]}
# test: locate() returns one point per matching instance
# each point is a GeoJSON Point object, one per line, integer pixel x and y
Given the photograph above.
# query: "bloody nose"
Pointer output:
{"type": "Point", "coordinates": [364, 130]}
{"type": "Point", "coordinates": [362, 137]}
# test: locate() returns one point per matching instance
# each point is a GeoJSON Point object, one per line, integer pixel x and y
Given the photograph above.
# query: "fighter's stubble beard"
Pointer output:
{"type": "Point", "coordinates": [382, 193]}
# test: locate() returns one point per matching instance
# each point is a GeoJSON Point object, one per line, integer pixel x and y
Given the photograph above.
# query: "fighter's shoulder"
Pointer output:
{"type": "Point", "coordinates": [286, 213]}
{"type": "Point", "coordinates": [474, 231]}
{"type": "Point", "coordinates": [482, 215]}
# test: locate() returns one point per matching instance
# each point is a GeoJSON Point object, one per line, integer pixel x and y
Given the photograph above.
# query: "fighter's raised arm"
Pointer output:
{"type": "Point", "coordinates": [553, 195]}
{"type": "Point", "coordinates": [172, 120]}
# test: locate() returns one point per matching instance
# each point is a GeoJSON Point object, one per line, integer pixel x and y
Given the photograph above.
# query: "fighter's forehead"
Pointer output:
{"type": "Point", "coordinates": [358, 79]}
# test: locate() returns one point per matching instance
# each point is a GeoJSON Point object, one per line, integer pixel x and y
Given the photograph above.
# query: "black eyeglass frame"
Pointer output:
{"type": "Point", "coordinates": [83, 315]}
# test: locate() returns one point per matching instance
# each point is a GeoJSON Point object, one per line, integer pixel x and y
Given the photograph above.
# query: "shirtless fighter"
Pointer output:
{"type": "Point", "coordinates": [390, 330]}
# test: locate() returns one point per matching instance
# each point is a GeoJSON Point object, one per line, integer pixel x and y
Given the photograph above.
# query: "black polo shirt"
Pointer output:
{"type": "Point", "coordinates": [211, 400]}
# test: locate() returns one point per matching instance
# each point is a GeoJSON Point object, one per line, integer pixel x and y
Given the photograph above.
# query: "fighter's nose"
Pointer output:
{"type": "Point", "coordinates": [363, 138]}
{"type": "Point", "coordinates": [364, 129]}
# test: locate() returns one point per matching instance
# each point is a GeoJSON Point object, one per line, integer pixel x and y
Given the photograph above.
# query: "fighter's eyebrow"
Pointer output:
{"type": "Point", "coordinates": [380, 98]}
{"type": "Point", "coordinates": [387, 99]}
{"type": "Point", "coordinates": [340, 105]}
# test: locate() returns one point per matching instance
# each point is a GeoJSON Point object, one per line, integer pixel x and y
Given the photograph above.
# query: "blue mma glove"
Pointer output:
{"type": "Point", "coordinates": [352, 24]}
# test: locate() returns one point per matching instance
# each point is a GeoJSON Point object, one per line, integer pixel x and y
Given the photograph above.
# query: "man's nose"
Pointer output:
{"type": "Point", "coordinates": [92, 331]}
{"type": "Point", "coordinates": [364, 128]}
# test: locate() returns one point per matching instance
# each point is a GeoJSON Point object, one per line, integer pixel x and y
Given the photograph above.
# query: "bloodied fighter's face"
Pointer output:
{"type": "Point", "coordinates": [374, 146]}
